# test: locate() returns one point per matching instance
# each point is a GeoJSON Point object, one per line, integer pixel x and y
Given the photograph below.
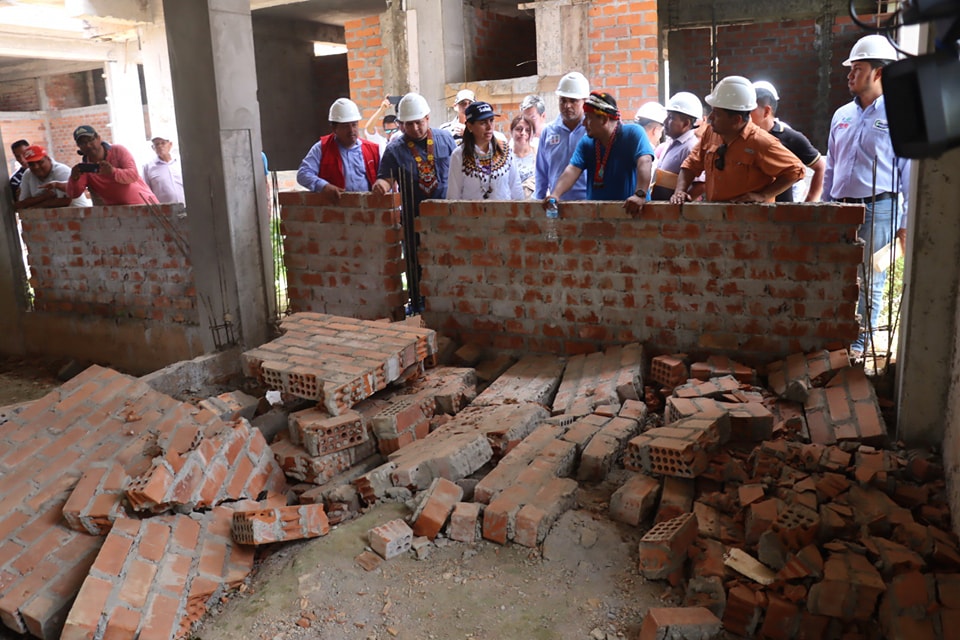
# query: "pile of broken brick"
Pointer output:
{"type": "Point", "coordinates": [773, 513]}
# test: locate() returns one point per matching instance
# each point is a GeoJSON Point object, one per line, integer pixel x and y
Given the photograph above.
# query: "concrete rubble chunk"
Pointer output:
{"type": "Point", "coordinates": [793, 378]}
{"type": "Point", "coordinates": [534, 379]}
{"type": "Point", "coordinates": [612, 376]}
{"type": "Point", "coordinates": [846, 410]}
{"type": "Point", "coordinates": [338, 361]}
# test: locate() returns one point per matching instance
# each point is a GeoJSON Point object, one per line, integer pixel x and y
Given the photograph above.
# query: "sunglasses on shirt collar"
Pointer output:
{"type": "Point", "coordinates": [721, 160]}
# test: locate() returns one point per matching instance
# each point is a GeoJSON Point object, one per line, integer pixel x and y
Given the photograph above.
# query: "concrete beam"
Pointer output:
{"type": "Point", "coordinates": [24, 45]}
{"type": "Point", "coordinates": [686, 14]}
{"type": "Point", "coordinates": [129, 12]}
{"type": "Point", "coordinates": [43, 68]}
{"type": "Point", "coordinates": [297, 30]}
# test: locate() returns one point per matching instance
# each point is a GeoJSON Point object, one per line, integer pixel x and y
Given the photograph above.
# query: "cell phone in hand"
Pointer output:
{"type": "Point", "coordinates": [89, 167]}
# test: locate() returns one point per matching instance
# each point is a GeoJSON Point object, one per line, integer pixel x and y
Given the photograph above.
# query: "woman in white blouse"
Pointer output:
{"type": "Point", "coordinates": [482, 168]}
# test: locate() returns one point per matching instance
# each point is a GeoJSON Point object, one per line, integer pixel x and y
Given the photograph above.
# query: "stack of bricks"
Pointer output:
{"type": "Point", "coordinates": [101, 423]}
{"type": "Point", "coordinates": [344, 258]}
{"type": "Point", "coordinates": [339, 361]}
{"type": "Point", "coordinates": [683, 449]}
{"type": "Point", "coordinates": [609, 377]}
{"type": "Point", "coordinates": [156, 577]}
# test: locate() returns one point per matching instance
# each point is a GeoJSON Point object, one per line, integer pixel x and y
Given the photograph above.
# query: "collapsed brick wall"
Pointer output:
{"type": "Point", "coordinates": [344, 258]}
{"type": "Point", "coordinates": [365, 55]}
{"type": "Point", "coordinates": [112, 262]}
{"type": "Point", "coordinates": [622, 56]}
{"type": "Point", "coordinates": [503, 46]}
{"type": "Point", "coordinates": [761, 281]}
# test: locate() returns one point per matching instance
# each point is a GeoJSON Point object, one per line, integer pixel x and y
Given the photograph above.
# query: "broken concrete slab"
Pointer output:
{"type": "Point", "coordinates": [609, 377]}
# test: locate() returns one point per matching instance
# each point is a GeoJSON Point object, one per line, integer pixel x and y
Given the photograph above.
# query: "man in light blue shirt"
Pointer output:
{"type": "Point", "coordinates": [341, 161]}
{"type": "Point", "coordinates": [559, 139]}
{"type": "Point", "coordinates": [863, 169]}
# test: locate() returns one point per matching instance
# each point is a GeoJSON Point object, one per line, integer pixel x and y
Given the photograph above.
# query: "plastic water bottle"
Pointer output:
{"type": "Point", "coordinates": [553, 215]}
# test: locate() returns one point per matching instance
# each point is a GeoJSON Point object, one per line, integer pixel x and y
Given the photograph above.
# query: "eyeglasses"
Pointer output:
{"type": "Point", "coordinates": [721, 160]}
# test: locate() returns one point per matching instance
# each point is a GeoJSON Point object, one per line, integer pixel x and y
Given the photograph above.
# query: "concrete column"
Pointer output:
{"type": "Point", "coordinates": [126, 109]}
{"type": "Point", "coordinates": [156, 77]}
{"type": "Point", "coordinates": [439, 56]}
{"type": "Point", "coordinates": [12, 273]}
{"type": "Point", "coordinates": [215, 94]}
{"type": "Point", "coordinates": [561, 36]}
{"type": "Point", "coordinates": [925, 358]}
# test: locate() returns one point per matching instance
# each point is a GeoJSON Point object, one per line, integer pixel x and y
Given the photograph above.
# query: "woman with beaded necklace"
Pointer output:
{"type": "Point", "coordinates": [482, 168]}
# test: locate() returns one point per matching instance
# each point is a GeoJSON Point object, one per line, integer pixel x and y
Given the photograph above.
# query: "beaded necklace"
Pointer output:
{"type": "Point", "coordinates": [602, 162]}
{"type": "Point", "coordinates": [427, 178]}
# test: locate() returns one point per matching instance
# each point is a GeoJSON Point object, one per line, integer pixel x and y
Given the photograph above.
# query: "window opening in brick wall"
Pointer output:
{"type": "Point", "coordinates": [321, 49]}
{"type": "Point", "coordinates": [503, 45]}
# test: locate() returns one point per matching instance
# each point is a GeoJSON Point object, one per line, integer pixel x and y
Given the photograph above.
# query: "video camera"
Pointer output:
{"type": "Point", "coordinates": [922, 93]}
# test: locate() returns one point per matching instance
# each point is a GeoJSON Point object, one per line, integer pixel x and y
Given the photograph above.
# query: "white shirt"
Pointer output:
{"type": "Point", "coordinates": [500, 182]}
{"type": "Point", "coordinates": [30, 185]}
{"type": "Point", "coordinates": [165, 179]}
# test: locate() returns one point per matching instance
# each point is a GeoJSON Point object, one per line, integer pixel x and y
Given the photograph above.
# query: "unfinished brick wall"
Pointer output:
{"type": "Point", "coordinates": [758, 280]}
{"type": "Point", "coordinates": [19, 95]}
{"type": "Point", "coordinates": [365, 54]}
{"type": "Point", "coordinates": [785, 53]}
{"type": "Point", "coordinates": [623, 50]}
{"type": "Point", "coordinates": [62, 123]}
{"type": "Point", "coordinates": [343, 258]}
{"type": "Point", "coordinates": [113, 262]}
{"type": "Point", "coordinates": [71, 90]}
{"type": "Point", "coordinates": [503, 46]}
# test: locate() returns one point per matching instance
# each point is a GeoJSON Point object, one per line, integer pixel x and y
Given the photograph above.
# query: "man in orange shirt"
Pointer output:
{"type": "Point", "coordinates": [743, 163]}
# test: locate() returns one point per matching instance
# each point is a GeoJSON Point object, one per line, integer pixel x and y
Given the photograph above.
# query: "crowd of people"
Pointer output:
{"type": "Point", "coordinates": [739, 152]}
{"type": "Point", "coordinates": [107, 174]}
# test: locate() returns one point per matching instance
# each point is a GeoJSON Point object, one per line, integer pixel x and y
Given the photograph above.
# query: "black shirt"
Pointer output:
{"type": "Point", "coordinates": [799, 145]}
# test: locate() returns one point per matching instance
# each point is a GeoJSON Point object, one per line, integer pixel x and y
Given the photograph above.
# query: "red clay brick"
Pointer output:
{"type": "Point", "coordinates": [665, 547]}
{"type": "Point", "coordinates": [635, 500]}
{"type": "Point", "coordinates": [680, 622]}
{"type": "Point", "coordinates": [465, 522]}
{"type": "Point", "coordinates": [391, 539]}
{"type": "Point", "coordinates": [435, 508]}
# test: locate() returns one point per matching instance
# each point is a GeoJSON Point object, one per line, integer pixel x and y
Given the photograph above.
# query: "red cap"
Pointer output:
{"type": "Point", "coordinates": [33, 153]}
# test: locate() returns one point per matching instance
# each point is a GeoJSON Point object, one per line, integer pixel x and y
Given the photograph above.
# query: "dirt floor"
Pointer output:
{"type": "Point", "coordinates": [583, 584]}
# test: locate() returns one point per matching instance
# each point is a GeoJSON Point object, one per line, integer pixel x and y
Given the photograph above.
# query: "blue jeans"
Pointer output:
{"type": "Point", "coordinates": [877, 230]}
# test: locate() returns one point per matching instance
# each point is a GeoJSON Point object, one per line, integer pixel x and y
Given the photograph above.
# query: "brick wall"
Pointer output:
{"type": "Point", "coordinates": [623, 50]}
{"type": "Point", "coordinates": [343, 259]}
{"type": "Point", "coordinates": [62, 124]}
{"type": "Point", "coordinates": [68, 91]}
{"type": "Point", "coordinates": [756, 280]}
{"type": "Point", "coordinates": [365, 54]}
{"type": "Point", "coordinates": [111, 262]}
{"type": "Point", "coordinates": [503, 46]}
{"type": "Point", "coordinates": [19, 95]}
{"type": "Point", "coordinates": [784, 53]}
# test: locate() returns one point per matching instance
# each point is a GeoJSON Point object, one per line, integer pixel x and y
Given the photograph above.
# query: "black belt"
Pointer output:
{"type": "Point", "coordinates": [878, 197]}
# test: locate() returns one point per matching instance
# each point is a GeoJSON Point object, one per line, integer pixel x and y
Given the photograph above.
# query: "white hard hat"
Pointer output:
{"type": "Point", "coordinates": [734, 93]}
{"type": "Point", "coordinates": [573, 85]}
{"type": "Point", "coordinates": [464, 94]}
{"type": "Point", "coordinates": [344, 110]}
{"type": "Point", "coordinates": [652, 111]}
{"type": "Point", "coordinates": [872, 47]}
{"type": "Point", "coordinates": [766, 86]}
{"type": "Point", "coordinates": [413, 106]}
{"type": "Point", "coordinates": [686, 103]}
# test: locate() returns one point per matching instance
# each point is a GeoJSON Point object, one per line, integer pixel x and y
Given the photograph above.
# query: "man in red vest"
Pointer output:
{"type": "Point", "coordinates": [341, 161]}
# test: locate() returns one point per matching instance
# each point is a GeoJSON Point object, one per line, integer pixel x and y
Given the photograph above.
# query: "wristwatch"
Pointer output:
{"type": "Point", "coordinates": [641, 193]}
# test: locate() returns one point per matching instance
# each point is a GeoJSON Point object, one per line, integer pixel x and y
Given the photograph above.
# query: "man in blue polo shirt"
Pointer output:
{"type": "Point", "coordinates": [615, 156]}
{"type": "Point", "coordinates": [559, 139]}
{"type": "Point", "coordinates": [863, 169]}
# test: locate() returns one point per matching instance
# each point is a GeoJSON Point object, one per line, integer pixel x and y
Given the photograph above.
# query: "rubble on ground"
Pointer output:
{"type": "Point", "coordinates": [777, 512]}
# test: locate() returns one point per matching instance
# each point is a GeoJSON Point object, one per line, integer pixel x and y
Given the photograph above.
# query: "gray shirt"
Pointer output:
{"type": "Point", "coordinates": [30, 186]}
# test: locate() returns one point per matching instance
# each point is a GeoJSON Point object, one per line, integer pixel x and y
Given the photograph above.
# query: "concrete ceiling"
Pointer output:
{"type": "Point", "coordinates": [336, 12]}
